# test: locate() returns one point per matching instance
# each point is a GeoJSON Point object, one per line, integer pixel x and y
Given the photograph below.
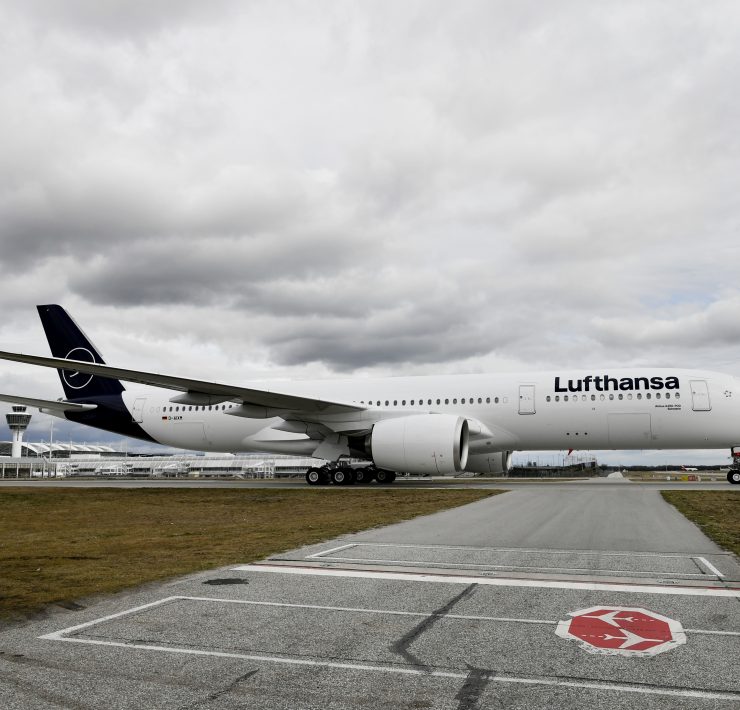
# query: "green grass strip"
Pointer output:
{"type": "Point", "coordinates": [58, 545]}
{"type": "Point", "coordinates": [717, 513]}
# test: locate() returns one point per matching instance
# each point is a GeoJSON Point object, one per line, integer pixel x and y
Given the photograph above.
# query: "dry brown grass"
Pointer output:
{"type": "Point", "coordinates": [717, 513]}
{"type": "Point", "coordinates": [62, 544]}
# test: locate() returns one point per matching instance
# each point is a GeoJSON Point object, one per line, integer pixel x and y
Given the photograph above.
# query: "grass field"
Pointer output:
{"type": "Point", "coordinates": [717, 513]}
{"type": "Point", "coordinates": [57, 545]}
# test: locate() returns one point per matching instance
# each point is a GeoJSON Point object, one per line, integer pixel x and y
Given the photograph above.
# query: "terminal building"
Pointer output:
{"type": "Point", "coordinates": [70, 460]}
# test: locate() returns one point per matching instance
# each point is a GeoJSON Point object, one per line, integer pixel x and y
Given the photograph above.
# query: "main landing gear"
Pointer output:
{"type": "Point", "coordinates": [343, 475]}
{"type": "Point", "coordinates": [733, 475]}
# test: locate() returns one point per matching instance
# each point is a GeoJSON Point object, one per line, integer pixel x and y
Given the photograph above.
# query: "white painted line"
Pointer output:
{"type": "Point", "coordinates": [712, 569]}
{"type": "Point", "coordinates": [615, 687]}
{"type": "Point", "coordinates": [362, 610]}
{"type": "Point", "coordinates": [514, 567]}
{"type": "Point", "coordinates": [497, 582]}
{"type": "Point", "coordinates": [328, 552]}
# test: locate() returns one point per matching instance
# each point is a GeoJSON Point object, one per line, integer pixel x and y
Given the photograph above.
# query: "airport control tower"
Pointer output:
{"type": "Point", "coordinates": [18, 422]}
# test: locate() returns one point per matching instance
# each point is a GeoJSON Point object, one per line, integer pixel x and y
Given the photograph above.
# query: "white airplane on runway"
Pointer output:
{"type": "Point", "coordinates": [433, 424]}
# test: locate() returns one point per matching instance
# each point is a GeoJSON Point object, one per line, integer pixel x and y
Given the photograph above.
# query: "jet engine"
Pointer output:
{"type": "Point", "coordinates": [498, 462]}
{"type": "Point", "coordinates": [425, 443]}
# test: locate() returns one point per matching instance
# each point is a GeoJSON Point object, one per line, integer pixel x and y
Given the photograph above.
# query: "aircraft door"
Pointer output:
{"type": "Point", "coordinates": [526, 399]}
{"type": "Point", "coordinates": [137, 414]}
{"type": "Point", "coordinates": [700, 396]}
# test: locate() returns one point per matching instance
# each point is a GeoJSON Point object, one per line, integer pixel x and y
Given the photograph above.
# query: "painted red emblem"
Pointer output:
{"type": "Point", "coordinates": [622, 631]}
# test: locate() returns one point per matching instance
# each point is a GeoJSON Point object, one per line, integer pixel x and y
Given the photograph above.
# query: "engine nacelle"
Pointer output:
{"type": "Point", "coordinates": [498, 462]}
{"type": "Point", "coordinates": [425, 443]}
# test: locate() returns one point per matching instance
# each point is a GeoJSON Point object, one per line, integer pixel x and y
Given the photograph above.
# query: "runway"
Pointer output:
{"type": "Point", "coordinates": [441, 482]}
{"type": "Point", "coordinates": [468, 608]}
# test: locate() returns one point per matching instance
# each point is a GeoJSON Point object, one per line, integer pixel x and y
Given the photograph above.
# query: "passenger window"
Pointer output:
{"type": "Point", "coordinates": [495, 400]}
{"type": "Point", "coordinates": [403, 402]}
{"type": "Point", "coordinates": [386, 402]}
{"type": "Point", "coordinates": [488, 400]}
{"type": "Point", "coordinates": [639, 395]}
{"type": "Point", "coordinates": [611, 396]}
{"type": "Point", "coordinates": [565, 398]}
{"type": "Point", "coordinates": [557, 397]}
{"type": "Point", "coordinates": [629, 396]}
{"type": "Point", "coordinates": [438, 401]}
{"type": "Point", "coordinates": [583, 397]}
{"type": "Point", "coordinates": [447, 401]}
{"type": "Point", "coordinates": [667, 395]}
{"type": "Point", "coordinates": [480, 400]}
{"type": "Point", "coordinates": [593, 397]}
{"type": "Point", "coordinates": [648, 395]}
{"type": "Point", "coordinates": [657, 395]}
{"type": "Point", "coordinates": [462, 401]}
{"type": "Point", "coordinates": [548, 398]}
{"type": "Point", "coordinates": [621, 396]}
{"type": "Point", "coordinates": [454, 401]}
{"type": "Point", "coordinates": [601, 397]}
{"type": "Point", "coordinates": [677, 395]}
{"type": "Point", "coordinates": [395, 402]}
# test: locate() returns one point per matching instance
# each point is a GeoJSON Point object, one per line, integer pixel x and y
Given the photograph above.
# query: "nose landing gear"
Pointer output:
{"type": "Point", "coordinates": [733, 475]}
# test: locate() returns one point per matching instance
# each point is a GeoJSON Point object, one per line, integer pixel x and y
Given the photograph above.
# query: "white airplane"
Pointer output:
{"type": "Point", "coordinates": [424, 425]}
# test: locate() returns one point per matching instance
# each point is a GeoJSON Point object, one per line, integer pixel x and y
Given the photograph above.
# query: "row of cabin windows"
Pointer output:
{"type": "Point", "coordinates": [197, 408]}
{"type": "Point", "coordinates": [420, 402]}
{"type": "Point", "coordinates": [648, 395]}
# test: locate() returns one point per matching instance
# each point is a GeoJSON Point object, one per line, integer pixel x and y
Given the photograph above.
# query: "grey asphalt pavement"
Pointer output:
{"type": "Point", "coordinates": [477, 607]}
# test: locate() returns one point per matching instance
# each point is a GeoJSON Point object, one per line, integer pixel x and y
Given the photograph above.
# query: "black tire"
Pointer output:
{"type": "Point", "coordinates": [313, 477]}
{"type": "Point", "coordinates": [325, 478]}
{"type": "Point", "coordinates": [733, 476]}
{"type": "Point", "coordinates": [342, 476]}
{"type": "Point", "coordinates": [364, 475]}
{"type": "Point", "coordinates": [385, 477]}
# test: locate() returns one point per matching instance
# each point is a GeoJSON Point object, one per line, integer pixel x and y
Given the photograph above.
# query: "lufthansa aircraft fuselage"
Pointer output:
{"type": "Point", "coordinates": [618, 409]}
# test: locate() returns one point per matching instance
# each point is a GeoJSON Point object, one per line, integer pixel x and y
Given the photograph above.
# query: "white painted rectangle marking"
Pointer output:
{"type": "Point", "coordinates": [528, 568]}
{"type": "Point", "coordinates": [388, 669]}
{"type": "Point", "coordinates": [498, 581]}
{"type": "Point", "coordinates": [599, 553]}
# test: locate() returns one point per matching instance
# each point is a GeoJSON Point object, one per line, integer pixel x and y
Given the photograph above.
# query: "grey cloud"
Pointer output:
{"type": "Point", "coordinates": [119, 17]}
{"type": "Point", "coordinates": [385, 188]}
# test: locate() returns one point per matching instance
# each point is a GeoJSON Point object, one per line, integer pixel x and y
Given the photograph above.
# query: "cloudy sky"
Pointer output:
{"type": "Point", "coordinates": [238, 190]}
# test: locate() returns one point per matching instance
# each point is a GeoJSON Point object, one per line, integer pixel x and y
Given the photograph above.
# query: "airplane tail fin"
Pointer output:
{"type": "Point", "coordinates": [67, 340]}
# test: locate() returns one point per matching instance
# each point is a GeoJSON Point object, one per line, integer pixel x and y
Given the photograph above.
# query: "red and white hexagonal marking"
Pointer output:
{"type": "Point", "coordinates": [622, 631]}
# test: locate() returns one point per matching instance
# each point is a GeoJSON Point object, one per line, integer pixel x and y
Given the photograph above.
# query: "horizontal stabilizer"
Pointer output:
{"type": "Point", "coordinates": [53, 404]}
{"type": "Point", "coordinates": [248, 395]}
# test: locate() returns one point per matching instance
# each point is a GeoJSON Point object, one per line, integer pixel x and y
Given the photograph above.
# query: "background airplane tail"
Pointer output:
{"type": "Point", "coordinates": [67, 340]}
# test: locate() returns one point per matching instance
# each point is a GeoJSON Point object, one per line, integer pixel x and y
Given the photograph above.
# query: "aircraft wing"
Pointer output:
{"type": "Point", "coordinates": [260, 397]}
{"type": "Point", "coordinates": [53, 404]}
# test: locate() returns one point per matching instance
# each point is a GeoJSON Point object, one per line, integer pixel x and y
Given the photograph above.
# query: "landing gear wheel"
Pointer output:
{"type": "Point", "coordinates": [385, 477]}
{"type": "Point", "coordinates": [364, 475]}
{"type": "Point", "coordinates": [313, 477]}
{"type": "Point", "coordinates": [734, 476]}
{"type": "Point", "coordinates": [342, 477]}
